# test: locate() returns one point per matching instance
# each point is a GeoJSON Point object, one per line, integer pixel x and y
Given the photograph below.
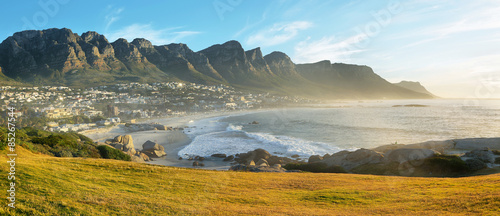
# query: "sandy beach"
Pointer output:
{"type": "Point", "coordinates": [172, 141]}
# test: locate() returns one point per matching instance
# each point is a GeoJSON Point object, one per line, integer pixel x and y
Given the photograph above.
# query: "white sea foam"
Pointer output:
{"type": "Point", "coordinates": [234, 127]}
{"type": "Point", "coordinates": [234, 140]}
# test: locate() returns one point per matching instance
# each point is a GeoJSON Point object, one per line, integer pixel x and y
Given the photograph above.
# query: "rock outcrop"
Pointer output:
{"type": "Point", "coordinates": [153, 149]}
{"type": "Point", "coordinates": [127, 143]}
{"type": "Point", "coordinates": [255, 155]}
{"type": "Point", "coordinates": [404, 155]}
{"type": "Point", "coordinates": [349, 160]}
{"type": "Point", "coordinates": [485, 156]}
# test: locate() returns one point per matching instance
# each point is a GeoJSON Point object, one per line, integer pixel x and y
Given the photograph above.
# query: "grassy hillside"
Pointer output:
{"type": "Point", "coordinates": [76, 186]}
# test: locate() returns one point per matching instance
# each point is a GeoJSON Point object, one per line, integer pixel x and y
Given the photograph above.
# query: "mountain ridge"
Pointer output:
{"type": "Point", "coordinates": [60, 56]}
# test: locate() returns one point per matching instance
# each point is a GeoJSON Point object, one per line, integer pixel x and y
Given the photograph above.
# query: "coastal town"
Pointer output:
{"type": "Point", "coordinates": [64, 109]}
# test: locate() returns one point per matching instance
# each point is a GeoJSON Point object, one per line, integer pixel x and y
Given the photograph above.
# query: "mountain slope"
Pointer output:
{"type": "Point", "coordinates": [59, 56]}
{"type": "Point", "coordinates": [415, 86]}
{"type": "Point", "coordinates": [354, 81]}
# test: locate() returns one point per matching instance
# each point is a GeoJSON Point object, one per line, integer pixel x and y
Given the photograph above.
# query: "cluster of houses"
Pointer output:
{"type": "Point", "coordinates": [131, 100]}
{"type": "Point", "coordinates": [54, 127]}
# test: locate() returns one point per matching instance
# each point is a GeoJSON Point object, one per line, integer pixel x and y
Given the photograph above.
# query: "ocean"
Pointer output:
{"type": "Point", "coordinates": [329, 128]}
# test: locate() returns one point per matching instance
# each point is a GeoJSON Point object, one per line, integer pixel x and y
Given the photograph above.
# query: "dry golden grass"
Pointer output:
{"type": "Point", "coordinates": [62, 186]}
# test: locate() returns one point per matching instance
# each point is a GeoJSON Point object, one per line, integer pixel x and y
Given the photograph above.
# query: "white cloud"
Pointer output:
{"type": "Point", "coordinates": [327, 48]}
{"type": "Point", "coordinates": [469, 16]}
{"type": "Point", "coordinates": [278, 33]}
{"type": "Point", "coordinates": [156, 36]}
{"type": "Point", "coordinates": [112, 16]}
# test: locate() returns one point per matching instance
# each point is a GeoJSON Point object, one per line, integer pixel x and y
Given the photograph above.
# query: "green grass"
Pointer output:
{"type": "Point", "coordinates": [75, 186]}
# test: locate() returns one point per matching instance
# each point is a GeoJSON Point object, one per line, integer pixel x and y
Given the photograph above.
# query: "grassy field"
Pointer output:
{"type": "Point", "coordinates": [76, 186]}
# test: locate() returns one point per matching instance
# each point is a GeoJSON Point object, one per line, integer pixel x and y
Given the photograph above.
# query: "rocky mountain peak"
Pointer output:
{"type": "Point", "coordinates": [180, 48]}
{"type": "Point", "coordinates": [142, 43]}
{"type": "Point", "coordinates": [254, 54]}
{"type": "Point", "coordinates": [92, 36]}
{"type": "Point", "coordinates": [276, 56]}
{"type": "Point", "coordinates": [61, 56]}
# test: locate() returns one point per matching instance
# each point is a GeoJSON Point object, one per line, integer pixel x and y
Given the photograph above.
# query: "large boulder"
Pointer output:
{"type": "Point", "coordinates": [118, 146]}
{"type": "Point", "coordinates": [475, 164]}
{"type": "Point", "coordinates": [349, 160]}
{"type": "Point", "coordinates": [219, 155]}
{"type": "Point", "coordinates": [160, 127]}
{"type": "Point", "coordinates": [251, 163]}
{"type": "Point", "coordinates": [153, 149]}
{"type": "Point", "coordinates": [143, 156]}
{"type": "Point", "coordinates": [278, 160]}
{"type": "Point", "coordinates": [229, 158]}
{"type": "Point", "coordinates": [315, 158]}
{"type": "Point", "coordinates": [124, 143]}
{"type": "Point", "coordinates": [137, 159]}
{"type": "Point", "coordinates": [262, 162]}
{"type": "Point", "coordinates": [486, 156]}
{"type": "Point", "coordinates": [439, 146]}
{"type": "Point", "coordinates": [404, 155]}
{"type": "Point", "coordinates": [478, 143]}
{"type": "Point", "coordinates": [254, 155]}
{"type": "Point", "coordinates": [241, 167]}
{"type": "Point", "coordinates": [128, 143]}
{"type": "Point", "coordinates": [125, 140]}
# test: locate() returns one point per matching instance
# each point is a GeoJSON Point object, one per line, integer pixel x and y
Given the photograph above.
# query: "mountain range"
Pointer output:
{"type": "Point", "coordinates": [59, 56]}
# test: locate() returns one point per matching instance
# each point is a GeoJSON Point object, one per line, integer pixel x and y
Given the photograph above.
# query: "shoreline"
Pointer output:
{"type": "Point", "coordinates": [174, 141]}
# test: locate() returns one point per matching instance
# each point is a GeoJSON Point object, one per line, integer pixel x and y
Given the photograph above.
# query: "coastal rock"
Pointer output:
{"type": "Point", "coordinates": [128, 143]}
{"type": "Point", "coordinates": [295, 156]}
{"type": "Point", "coordinates": [262, 162]}
{"type": "Point", "coordinates": [315, 158]}
{"type": "Point", "coordinates": [278, 160]}
{"type": "Point", "coordinates": [254, 155]}
{"type": "Point", "coordinates": [160, 127]}
{"type": "Point", "coordinates": [137, 159]}
{"type": "Point", "coordinates": [439, 146]}
{"type": "Point", "coordinates": [241, 167]}
{"type": "Point", "coordinates": [144, 156]}
{"type": "Point", "coordinates": [153, 149]}
{"type": "Point", "coordinates": [267, 169]}
{"type": "Point", "coordinates": [196, 163]}
{"type": "Point", "coordinates": [404, 155]}
{"type": "Point", "coordinates": [229, 158]}
{"type": "Point", "coordinates": [475, 164]}
{"type": "Point", "coordinates": [486, 156]}
{"type": "Point", "coordinates": [478, 144]}
{"type": "Point", "coordinates": [219, 155]}
{"type": "Point", "coordinates": [251, 163]}
{"type": "Point", "coordinates": [349, 160]}
{"type": "Point", "coordinates": [118, 146]}
{"type": "Point", "coordinates": [125, 140]}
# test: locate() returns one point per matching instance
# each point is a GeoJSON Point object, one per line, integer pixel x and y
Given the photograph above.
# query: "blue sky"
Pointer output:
{"type": "Point", "coordinates": [451, 47]}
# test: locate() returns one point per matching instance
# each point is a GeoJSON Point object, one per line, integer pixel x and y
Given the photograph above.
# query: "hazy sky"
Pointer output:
{"type": "Point", "coordinates": [451, 47]}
